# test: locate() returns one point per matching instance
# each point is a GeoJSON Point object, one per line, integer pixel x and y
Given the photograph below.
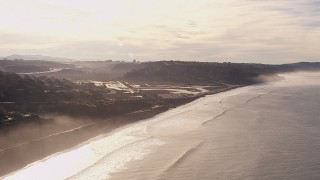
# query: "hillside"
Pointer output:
{"type": "Point", "coordinates": [22, 96]}
{"type": "Point", "coordinates": [207, 73]}
{"type": "Point", "coordinates": [136, 86]}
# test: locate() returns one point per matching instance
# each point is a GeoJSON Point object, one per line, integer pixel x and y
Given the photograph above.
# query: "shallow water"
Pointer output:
{"type": "Point", "coordinates": [268, 131]}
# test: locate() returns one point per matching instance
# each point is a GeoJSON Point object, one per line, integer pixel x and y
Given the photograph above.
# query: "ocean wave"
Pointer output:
{"type": "Point", "coordinates": [182, 157]}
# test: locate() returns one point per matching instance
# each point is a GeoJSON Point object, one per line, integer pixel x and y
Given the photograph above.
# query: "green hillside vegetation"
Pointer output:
{"type": "Point", "coordinates": [28, 96]}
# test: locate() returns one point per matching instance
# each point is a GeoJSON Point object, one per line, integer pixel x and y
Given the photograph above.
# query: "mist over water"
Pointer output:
{"type": "Point", "coordinates": [268, 131]}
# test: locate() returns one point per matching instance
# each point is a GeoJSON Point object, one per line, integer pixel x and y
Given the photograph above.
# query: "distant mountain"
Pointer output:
{"type": "Point", "coordinates": [36, 57]}
{"type": "Point", "coordinates": [31, 66]}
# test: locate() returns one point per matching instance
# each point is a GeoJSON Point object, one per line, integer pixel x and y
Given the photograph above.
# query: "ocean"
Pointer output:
{"type": "Point", "coordinates": [265, 131]}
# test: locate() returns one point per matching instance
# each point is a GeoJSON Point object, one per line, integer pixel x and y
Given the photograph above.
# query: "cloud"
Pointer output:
{"type": "Point", "coordinates": [270, 31]}
{"type": "Point", "coordinates": [20, 38]}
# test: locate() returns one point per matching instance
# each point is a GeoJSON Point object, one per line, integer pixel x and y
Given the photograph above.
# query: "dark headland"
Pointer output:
{"type": "Point", "coordinates": [47, 106]}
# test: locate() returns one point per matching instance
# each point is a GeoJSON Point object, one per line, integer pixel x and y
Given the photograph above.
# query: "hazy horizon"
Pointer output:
{"type": "Point", "coordinates": [273, 32]}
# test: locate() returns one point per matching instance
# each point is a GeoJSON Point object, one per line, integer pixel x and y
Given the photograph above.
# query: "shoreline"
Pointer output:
{"type": "Point", "coordinates": [37, 149]}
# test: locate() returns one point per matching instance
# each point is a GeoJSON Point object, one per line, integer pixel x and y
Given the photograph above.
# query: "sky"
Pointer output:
{"type": "Point", "coordinates": [260, 31]}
